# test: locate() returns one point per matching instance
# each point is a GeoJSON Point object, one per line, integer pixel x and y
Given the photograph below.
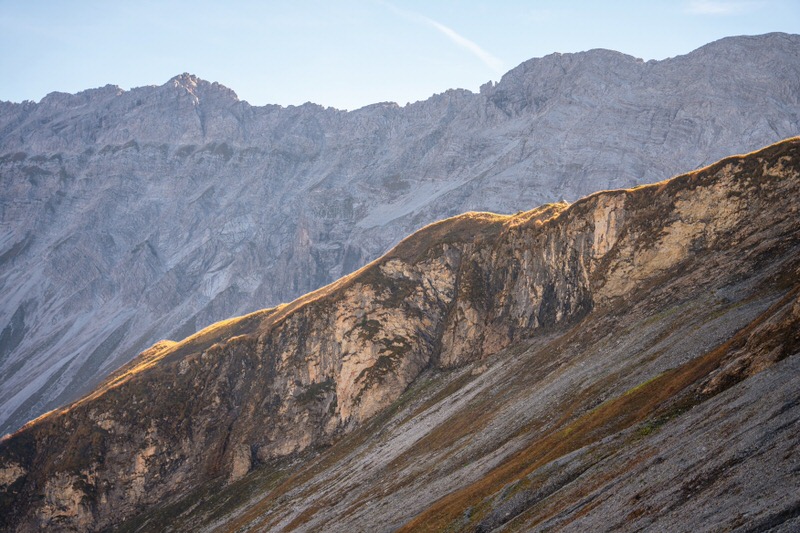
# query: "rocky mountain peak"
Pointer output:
{"type": "Point", "coordinates": [743, 46]}
{"type": "Point", "coordinates": [202, 89]}
{"type": "Point", "coordinates": [186, 80]}
{"type": "Point", "coordinates": [59, 101]}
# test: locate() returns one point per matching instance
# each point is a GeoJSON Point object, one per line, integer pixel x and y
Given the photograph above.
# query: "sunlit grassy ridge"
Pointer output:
{"type": "Point", "coordinates": [466, 227]}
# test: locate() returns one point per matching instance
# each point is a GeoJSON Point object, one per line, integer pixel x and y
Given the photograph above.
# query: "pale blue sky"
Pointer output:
{"type": "Point", "coordinates": [343, 53]}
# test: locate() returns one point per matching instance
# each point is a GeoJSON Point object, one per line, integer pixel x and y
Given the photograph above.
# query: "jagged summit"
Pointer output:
{"type": "Point", "coordinates": [187, 80]}
{"type": "Point", "coordinates": [575, 366]}
{"type": "Point", "coordinates": [202, 88]}
{"type": "Point", "coordinates": [735, 44]}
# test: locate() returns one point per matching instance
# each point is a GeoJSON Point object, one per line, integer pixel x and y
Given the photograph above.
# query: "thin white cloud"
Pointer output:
{"type": "Point", "coordinates": [488, 59]}
{"type": "Point", "coordinates": [719, 7]}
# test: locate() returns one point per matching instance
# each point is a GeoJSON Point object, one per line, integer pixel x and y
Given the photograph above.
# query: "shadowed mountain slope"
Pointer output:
{"type": "Point", "coordinates": [628, 360]}
{"type": "Point", "coordinates": [132, 216]}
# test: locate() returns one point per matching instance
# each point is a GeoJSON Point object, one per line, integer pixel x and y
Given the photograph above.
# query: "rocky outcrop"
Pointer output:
{"type": "Point", "coordinates": [299, 377]}
{"type": "Point", "coordinates": [133, 216]}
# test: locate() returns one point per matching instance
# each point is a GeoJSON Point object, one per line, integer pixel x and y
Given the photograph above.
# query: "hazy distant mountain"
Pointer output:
{"type": "Point", "coordinates": [627, 363]}
{"type": "Point", "coordinates": [131, 216]}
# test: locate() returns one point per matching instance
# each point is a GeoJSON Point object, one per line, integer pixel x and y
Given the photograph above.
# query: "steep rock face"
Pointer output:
{"type": "Point", "coordinates": [133, 216]}
{"type": "Point", "coordinates": [301, 376]}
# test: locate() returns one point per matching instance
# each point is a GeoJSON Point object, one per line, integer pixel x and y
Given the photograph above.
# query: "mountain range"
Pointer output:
{"type": "Point", "coordinates": [627, 362]}
{"type": "Point", "coordinates": [128, 217]}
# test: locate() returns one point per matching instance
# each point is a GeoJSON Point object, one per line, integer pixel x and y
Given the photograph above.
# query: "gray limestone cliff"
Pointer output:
{"type": "Point", "coordinates": [127, 217]}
